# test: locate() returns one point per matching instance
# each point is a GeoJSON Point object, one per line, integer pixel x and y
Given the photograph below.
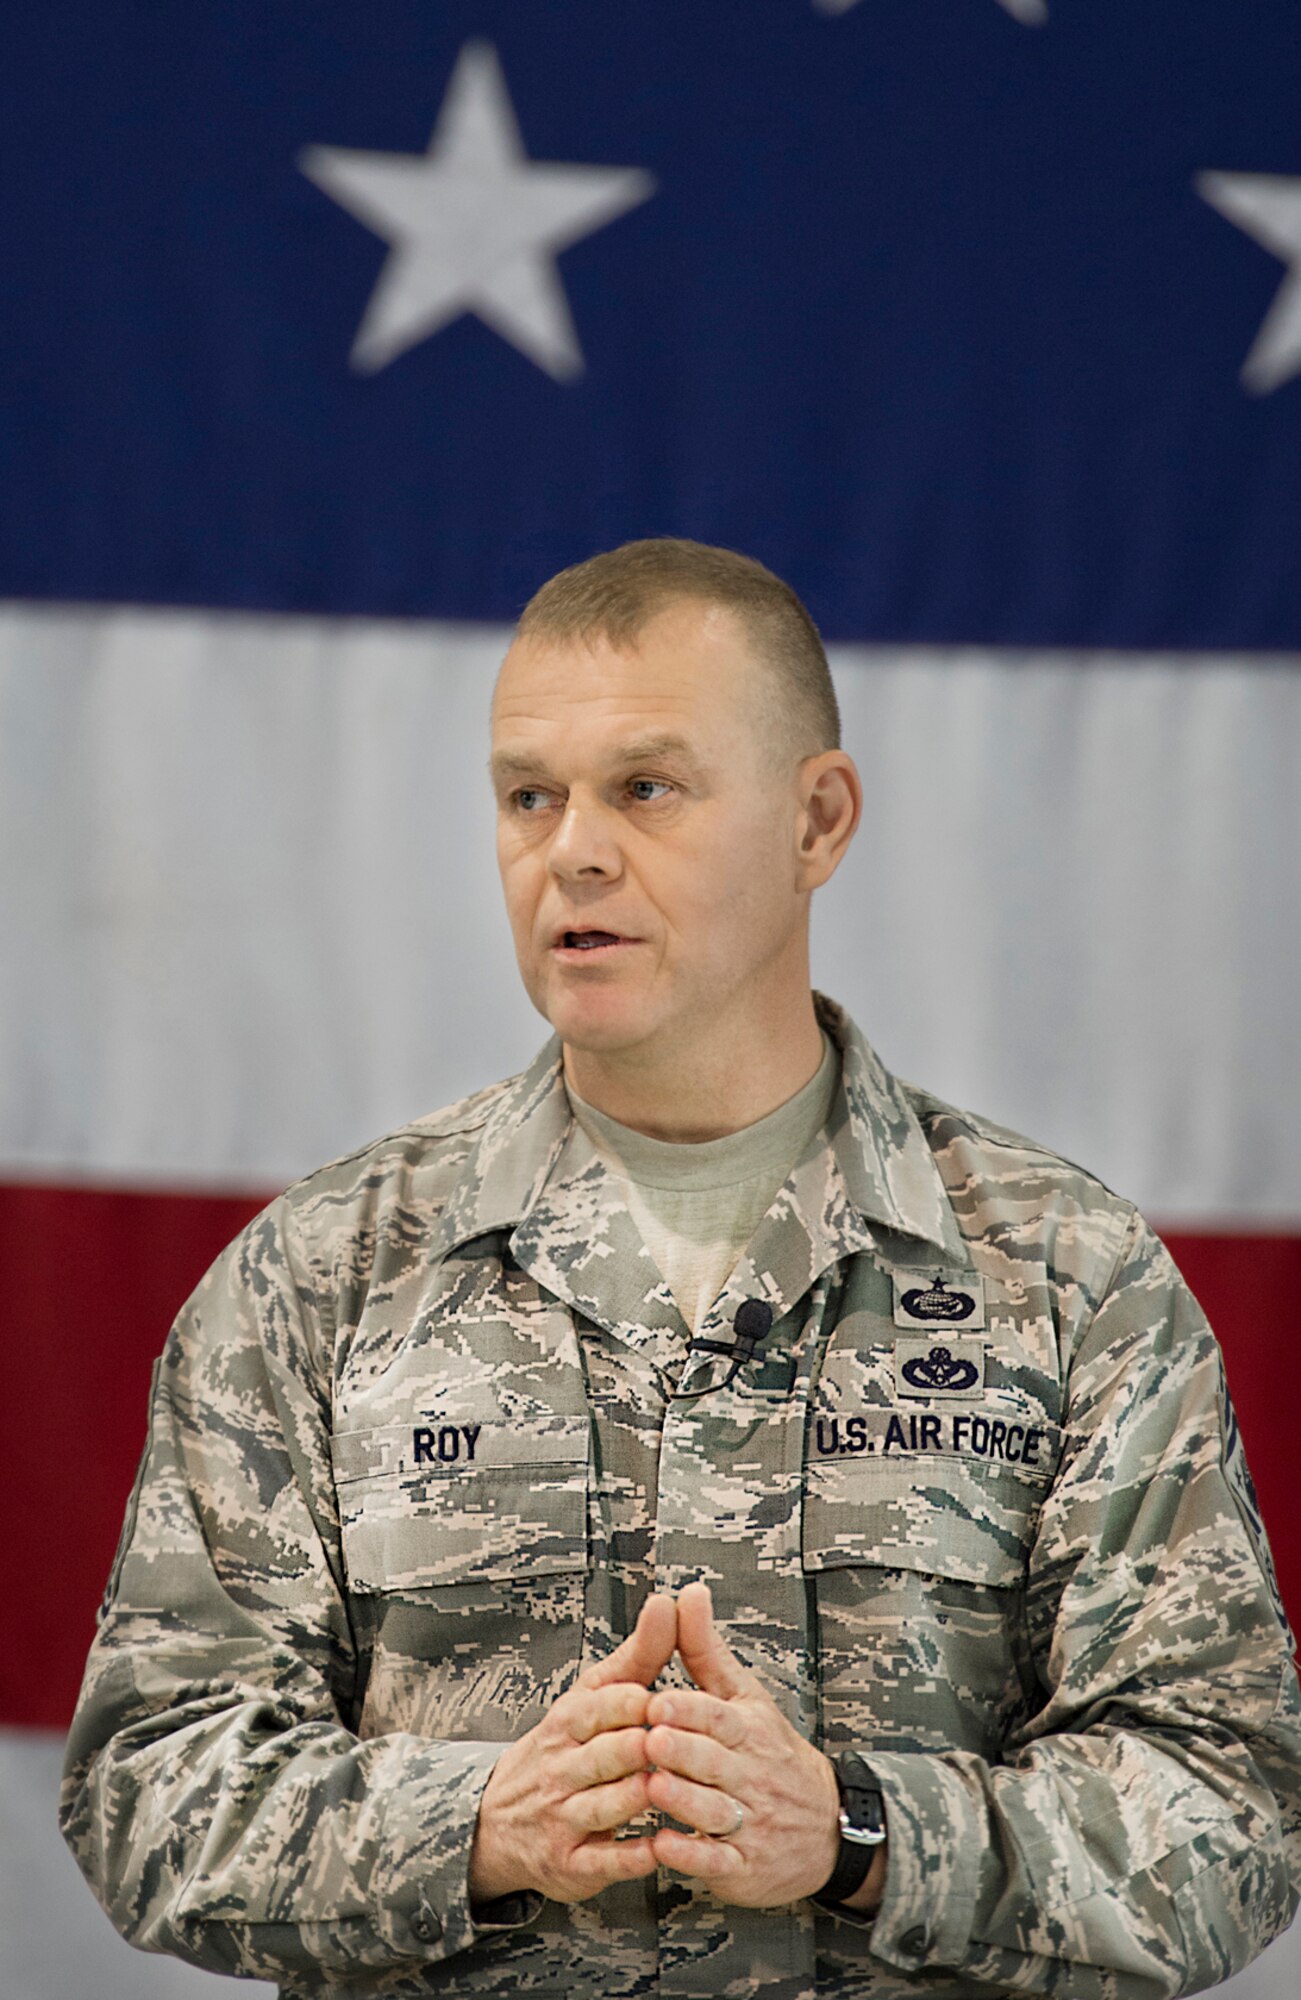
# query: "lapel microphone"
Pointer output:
{"type": "Point", "coordinates": [752, 1325]}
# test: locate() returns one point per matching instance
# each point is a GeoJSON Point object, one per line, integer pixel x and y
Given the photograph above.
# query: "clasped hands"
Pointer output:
{"type": "Point", "coordinates": [608, 1751]}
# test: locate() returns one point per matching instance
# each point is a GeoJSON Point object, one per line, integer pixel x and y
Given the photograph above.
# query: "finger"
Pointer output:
{"type": "Point", "coordinates": [601, 1860]}
{"type": "Point", "coordinates": [684, 1708]}
{"type": "Point", "coordinates": [689, 1755]}
{"type": "Point", "coordinates": [601, 1808]}
{"type": "Point", "coordinates": [713, 1861]}
{"type": "Point", "coordinates": [611, 1754]}
{"type": "Point", "coordinates": [712, 1665]}
{"type": "Point", "coordinates": [645, 1652]}
{"type": "Point", "coordinates": [586, 1711]}
{"type": "Point", "coordinates": [702, 1806]}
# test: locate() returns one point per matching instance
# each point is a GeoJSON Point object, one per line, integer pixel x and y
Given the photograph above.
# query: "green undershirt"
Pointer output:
{"type": "Point", "coordinates": [698, 1205]}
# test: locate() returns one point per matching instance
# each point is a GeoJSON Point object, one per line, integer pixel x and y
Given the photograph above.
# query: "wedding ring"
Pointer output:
{"type": "Point", "coordinates": [737, 1823]}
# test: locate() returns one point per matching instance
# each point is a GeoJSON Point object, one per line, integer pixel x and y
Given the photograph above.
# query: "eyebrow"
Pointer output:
{"type": "Point", "coordinates": [639, 750]}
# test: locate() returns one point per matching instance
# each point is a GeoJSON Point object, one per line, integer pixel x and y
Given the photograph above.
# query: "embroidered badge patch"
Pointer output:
{"type": "Point", "coordinates": [948, 1369]}
{"type": "Point", "coordinates": [925, 1298]}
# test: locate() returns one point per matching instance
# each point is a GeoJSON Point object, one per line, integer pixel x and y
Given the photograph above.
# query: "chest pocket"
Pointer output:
{"type": "Point", "coordinates": [465, 1548]}
{"type": "Point", "coordinates": [430, 1505]}
{"type": "Point", "coordinates": [916, 1568]}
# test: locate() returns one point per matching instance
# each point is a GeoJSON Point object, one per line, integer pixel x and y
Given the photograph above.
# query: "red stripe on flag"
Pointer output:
{"type": "Point", "coordinates": [94, 1279]}
{"type": "Point", "coordinates": [1249, 1287]}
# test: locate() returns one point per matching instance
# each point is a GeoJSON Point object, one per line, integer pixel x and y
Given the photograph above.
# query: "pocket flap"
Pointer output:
{"type": "Point", "coordinates": [430, 1447]}
{"type": "Point", "coordinates": [940, 1516]}
{"type": "Point", "coordinates": [440, 1522]}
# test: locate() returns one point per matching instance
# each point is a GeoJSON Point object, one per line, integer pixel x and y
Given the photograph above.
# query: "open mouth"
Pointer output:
{"type": "Point", "coordinates": [590, 944]}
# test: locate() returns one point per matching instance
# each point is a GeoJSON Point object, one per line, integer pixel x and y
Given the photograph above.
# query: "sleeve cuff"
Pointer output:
{"type": "Point", "coordinates": [936, 1840]}
{"type": "Point", "coordinates": [420, 1883]}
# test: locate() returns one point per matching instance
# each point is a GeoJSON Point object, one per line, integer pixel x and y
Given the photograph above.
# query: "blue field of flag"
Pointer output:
{"type": "Point", "coordinates": [979, 319]}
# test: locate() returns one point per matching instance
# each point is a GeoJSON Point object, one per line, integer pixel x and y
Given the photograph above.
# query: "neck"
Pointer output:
{"type": "Point", "coordinates": [709, 1087]}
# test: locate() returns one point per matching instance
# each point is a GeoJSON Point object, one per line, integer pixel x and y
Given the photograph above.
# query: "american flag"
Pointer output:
{"type": "Point", "coordinates": [331, 331]}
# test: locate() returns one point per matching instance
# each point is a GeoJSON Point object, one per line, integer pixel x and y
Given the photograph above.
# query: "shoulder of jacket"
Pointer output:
{"type": "Point", "coordinates": [418, 1161]}
{"type": "Point", "coordinates": [947, 1124]}
{"type": "Point", "coordinates": [987, 1166]}
{"type": "Point", "coordinates": [1017, 1200]}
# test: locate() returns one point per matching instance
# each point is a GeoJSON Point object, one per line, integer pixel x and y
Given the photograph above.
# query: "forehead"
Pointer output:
{"type": "Point", "coordinates": [688, 675]}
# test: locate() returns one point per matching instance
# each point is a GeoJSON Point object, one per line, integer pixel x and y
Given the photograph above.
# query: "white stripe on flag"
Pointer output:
{"type": "Point", "coordinates": [251, 913]}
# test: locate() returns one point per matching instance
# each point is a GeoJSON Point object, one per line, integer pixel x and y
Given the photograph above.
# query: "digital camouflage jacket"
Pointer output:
{"type": "Point", "coordinates": [977, 1509]}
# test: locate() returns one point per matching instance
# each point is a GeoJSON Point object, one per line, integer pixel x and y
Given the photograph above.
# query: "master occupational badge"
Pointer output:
{"type": "Point", "coordinates": [950, 1370]}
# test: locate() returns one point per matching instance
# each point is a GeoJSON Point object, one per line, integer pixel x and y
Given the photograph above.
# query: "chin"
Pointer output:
{"type": "Point", "coordinates": [596, 1022]}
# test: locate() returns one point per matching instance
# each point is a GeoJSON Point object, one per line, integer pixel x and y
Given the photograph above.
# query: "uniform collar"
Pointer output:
{"type": "Point", "coordinates": [884, 1170]}
{"type": "Point", "coordinates": [888, 1167]}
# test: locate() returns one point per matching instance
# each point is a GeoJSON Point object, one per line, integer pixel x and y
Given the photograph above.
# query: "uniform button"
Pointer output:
{"type": "Point", "coordinates": [914, 1941]}
{"type": "Point", "coordinates": [426, 1926]}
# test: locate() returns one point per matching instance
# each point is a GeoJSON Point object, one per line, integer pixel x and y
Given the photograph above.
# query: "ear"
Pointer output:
{"type": "Point", "coordinates": [832, 794]}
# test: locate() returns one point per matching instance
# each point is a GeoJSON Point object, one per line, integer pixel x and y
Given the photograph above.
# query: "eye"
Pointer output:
{"type": "Point", "coordinates": [525, 798]}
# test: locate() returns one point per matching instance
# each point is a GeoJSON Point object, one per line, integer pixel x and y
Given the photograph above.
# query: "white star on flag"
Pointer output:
{"type": "Point", "coordinates": [474, 225]}
{"type": "Point", "coordinates": [1268, 207]}
{"type": "Point", "coordinates": [1032, 13]}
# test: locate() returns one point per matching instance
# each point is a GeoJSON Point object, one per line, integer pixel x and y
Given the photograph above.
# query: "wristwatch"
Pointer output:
{"type": "Point", "coordinates": [862, 1829]}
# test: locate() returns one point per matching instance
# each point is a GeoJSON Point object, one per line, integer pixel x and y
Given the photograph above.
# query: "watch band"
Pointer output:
{"type": "Point", "coordinates": [862, 1829]}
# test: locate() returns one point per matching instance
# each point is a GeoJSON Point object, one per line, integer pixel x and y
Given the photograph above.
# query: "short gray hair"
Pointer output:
{"type": "Point", "coordinates": [614, 595]}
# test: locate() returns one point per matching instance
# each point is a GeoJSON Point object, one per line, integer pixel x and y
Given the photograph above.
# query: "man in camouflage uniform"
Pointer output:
{"type": "Point", "coordinates": [407, 1680]}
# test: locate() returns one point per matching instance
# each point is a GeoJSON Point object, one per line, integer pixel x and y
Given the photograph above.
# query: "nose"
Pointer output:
{"type": "Point", "coordinates": [584, 843]}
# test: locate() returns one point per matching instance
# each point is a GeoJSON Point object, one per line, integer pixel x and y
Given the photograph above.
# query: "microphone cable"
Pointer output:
{"type": "Point", "coordinates": [752, 1326]}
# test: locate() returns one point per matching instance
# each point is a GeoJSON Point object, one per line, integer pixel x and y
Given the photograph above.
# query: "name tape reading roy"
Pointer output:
{"type": "Point", "coordinates": [448, 1444]}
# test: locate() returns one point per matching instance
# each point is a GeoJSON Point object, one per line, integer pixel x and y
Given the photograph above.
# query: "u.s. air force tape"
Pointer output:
{"type": "Point", "coordinates": [928, 1299]}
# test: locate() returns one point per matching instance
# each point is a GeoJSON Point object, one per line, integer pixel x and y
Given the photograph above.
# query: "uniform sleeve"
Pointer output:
{"type": "Point", "coordinates": [214, 1794]}
{"type": "Point", "coordinates": [1142, 1835]}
